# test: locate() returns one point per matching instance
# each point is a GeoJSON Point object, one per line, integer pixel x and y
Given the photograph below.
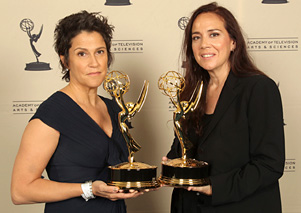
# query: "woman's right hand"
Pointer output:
{"type": "Point", "coordinates": [113, 193]}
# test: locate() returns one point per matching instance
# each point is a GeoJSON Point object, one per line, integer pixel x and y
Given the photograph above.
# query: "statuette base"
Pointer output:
{"type": "Point", "coordinates": [184, 172]}
{"type": "Point", "coordinates": [137, 176]}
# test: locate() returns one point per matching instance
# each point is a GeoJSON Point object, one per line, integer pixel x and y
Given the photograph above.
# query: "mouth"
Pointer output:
{"type": "Point", "coordinates": [208, 55]}
{"type": "Point", "coordinates": [94, 73]}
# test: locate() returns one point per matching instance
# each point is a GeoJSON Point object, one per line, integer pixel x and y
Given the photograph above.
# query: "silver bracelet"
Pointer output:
{"type": "Point", "coordinates": [87, 190]}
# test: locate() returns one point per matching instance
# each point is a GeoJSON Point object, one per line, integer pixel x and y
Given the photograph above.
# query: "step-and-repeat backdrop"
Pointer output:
{"type": "Point", "coordinates": [147, 41]}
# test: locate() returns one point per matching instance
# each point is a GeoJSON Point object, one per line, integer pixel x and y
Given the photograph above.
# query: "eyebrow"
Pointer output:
{"type": "Point", "coordinates": [214, 30]}
{"type": "Point", "coordinates": [211, 30]}
{"type": "Point", "coordinates": [82, 48]}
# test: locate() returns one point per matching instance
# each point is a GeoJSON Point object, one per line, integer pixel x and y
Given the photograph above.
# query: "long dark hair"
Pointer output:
{"type": "Point", "coordinates": [70, 26]}
{"type": "Point", "coordinates": [240, 62]}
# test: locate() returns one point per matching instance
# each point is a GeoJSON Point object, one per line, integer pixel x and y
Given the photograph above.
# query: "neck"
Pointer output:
{"type": "Point", "coordinates": [218, 79]}
{"type": "Point", "coordinates": [86, 96]}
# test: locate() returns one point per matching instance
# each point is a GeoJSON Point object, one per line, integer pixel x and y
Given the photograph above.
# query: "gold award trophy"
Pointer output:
{"type": "Point", "coordinates": [182, 172]}
{"type": "Point", "coordinates": [129, 175]}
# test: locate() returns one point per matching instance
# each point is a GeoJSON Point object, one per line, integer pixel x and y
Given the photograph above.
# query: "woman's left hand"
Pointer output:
{"type": "Point", "coordinates": [112, 193]}
{"type": "Point", "coordinates": [207, 190]}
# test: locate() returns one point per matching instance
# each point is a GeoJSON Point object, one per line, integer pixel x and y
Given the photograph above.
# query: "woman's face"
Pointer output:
{"type": "Point", "coordinates": [88, 60]}
{"type": "Point", "coordinates": [211, 43]}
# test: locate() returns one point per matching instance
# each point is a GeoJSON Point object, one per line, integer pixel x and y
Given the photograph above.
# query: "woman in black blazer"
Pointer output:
{"type": "Point", "coordinates": [238, 125]}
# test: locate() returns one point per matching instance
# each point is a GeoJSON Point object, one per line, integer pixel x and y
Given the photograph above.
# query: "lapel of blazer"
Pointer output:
{"type": "Point", "coordinates": [227, 95]}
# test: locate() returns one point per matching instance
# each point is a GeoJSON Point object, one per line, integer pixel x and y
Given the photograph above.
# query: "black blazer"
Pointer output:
{"type": "Point", "coordinates": [244, 145]}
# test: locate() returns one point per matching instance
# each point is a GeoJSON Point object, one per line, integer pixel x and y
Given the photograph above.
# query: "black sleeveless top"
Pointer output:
{"type": "Point", "coordinates": [84, 151]}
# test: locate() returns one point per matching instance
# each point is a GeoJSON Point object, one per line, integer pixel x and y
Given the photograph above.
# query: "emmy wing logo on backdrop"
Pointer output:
{"type": "Point", "coordinates": [27, 26]}
{"type": "Point", "coordinates": [117, 2]}
{"type": "Point", "coordinates": [274, 1]}
{"type": "Point", "coordinates": [182, 22]}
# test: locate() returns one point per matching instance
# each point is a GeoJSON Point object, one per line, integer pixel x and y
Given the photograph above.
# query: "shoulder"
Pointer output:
{"type": "Point", "coordinates": [256, 88]}
{"type": "Point", "coordinates": [260, 90]}
{"type": "Point", "coordinates": [260, 83]}
{"type": "Point", "coordinates": [49, 101]}
{"type": "Point", "coordinates": [55, 105]}
{"type": "Point", "coordinates": [55, 98]}
{"type": "Point", "coordinates": [258, 80]}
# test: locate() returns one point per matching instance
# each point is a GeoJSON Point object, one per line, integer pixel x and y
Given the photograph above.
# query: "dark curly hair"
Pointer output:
{"type": "Point", "coordinates": [70, 26]}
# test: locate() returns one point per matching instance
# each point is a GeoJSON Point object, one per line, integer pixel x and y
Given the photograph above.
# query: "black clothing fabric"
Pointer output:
{"type": "Point", "coordinates": [84, 151]}
{"type": "Point", "coordinates": [244, 145]}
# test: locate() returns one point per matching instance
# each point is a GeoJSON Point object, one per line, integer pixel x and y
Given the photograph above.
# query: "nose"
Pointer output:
{"type": "Point", "coordinates": [204, 43]}
{"type": "Point", "coordinates": [93, 61]}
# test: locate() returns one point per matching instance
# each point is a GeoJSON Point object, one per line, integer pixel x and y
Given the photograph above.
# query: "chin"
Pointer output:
{"type": "Point", "coordinates": [208, 68]}
{"type": "Point", "coordinates": [95, 84]}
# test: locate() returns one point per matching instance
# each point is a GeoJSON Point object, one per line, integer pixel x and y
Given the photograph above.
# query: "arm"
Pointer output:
{"type": "Point", "coordinates": [38, 143]}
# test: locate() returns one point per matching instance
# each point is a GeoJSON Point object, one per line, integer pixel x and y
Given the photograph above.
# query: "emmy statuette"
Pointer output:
{"type": "Point", "coordinates": [181, 172]}
{"type": "Point", "coordinates": [27, 26]}
{"type": "Point", "coordinates": [131, 174]}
